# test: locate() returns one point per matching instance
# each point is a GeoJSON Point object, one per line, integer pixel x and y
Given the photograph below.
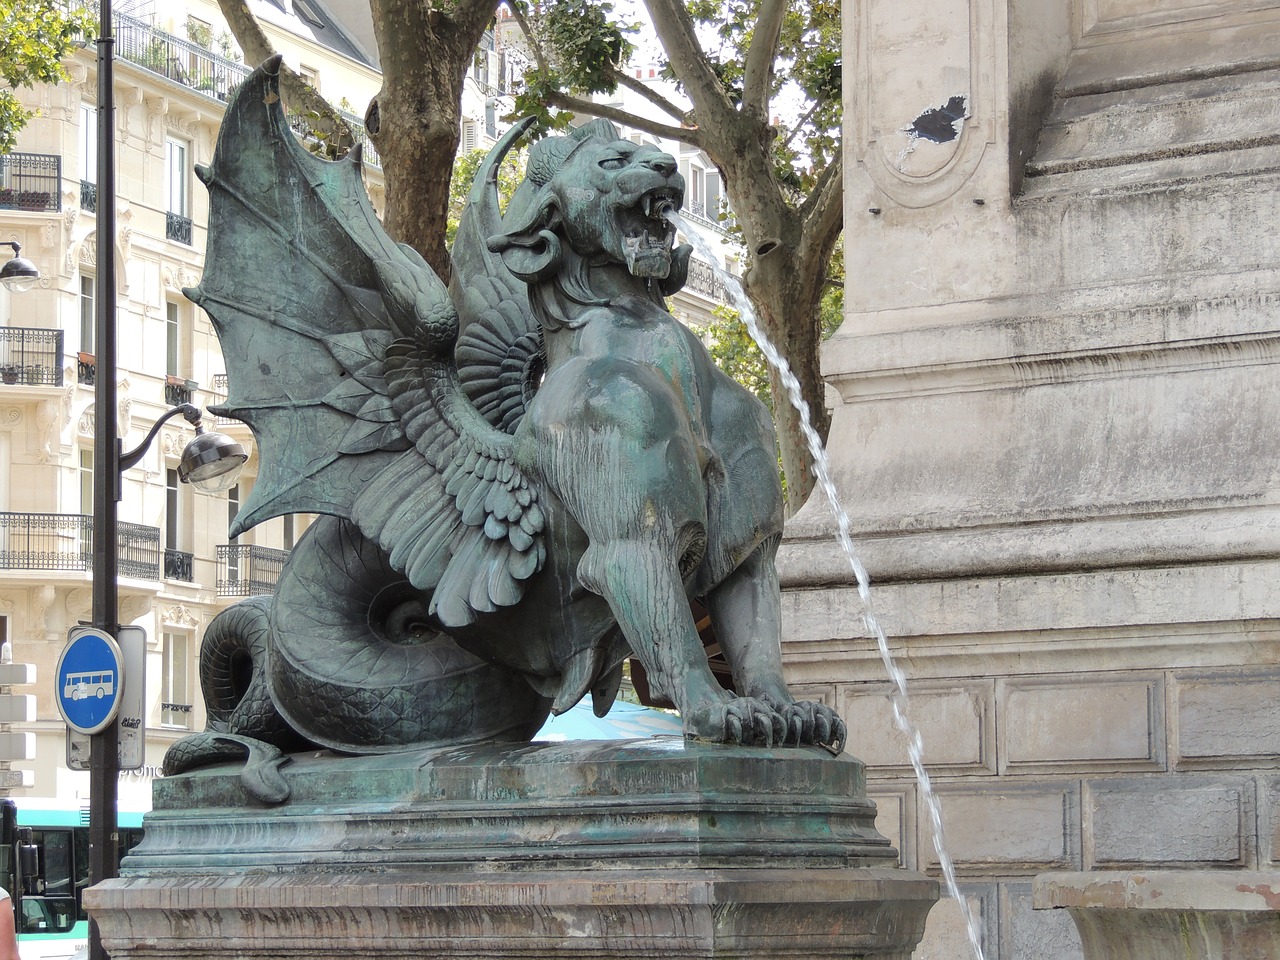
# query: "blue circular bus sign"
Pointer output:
{"type": "Point", "coordinates": [89, 680]}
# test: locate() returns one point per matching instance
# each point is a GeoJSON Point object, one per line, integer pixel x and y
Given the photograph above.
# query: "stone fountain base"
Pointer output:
{"type": "Point", "coordinates": [636, 849]}
{"type": "Point", "coordinates": [1169, 914]}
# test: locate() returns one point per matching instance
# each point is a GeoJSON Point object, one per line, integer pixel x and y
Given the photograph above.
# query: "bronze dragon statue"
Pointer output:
{"type": "Point", "coordinates": [523, 478]}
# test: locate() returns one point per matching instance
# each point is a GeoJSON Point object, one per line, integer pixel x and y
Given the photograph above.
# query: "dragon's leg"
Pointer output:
{"type": "Point", "coordinates": [640, 579]}
{"type": "Point", "coordinates": [747, 612]}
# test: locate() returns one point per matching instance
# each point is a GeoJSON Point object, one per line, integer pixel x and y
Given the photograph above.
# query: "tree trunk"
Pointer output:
{"type": "Point", "coordinates": [415, 120]}
{"type": "Point", "coordinates": [785, 290]}
{"type": "Point", "coordinates": [785, 277]}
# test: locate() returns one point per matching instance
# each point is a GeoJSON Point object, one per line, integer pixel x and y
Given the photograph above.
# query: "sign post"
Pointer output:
{"type": "Point", "coordinates": [89, 680]}
{"type": "Point", "coordinates": [130, 723]}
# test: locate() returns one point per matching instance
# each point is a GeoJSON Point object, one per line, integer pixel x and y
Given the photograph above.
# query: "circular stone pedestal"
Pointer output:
{"type": "Point", "coordinates": [635, 849]}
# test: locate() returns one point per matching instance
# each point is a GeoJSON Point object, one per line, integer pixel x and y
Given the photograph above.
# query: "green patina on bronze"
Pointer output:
{"type": "Point", "coordinates": [524, 477]}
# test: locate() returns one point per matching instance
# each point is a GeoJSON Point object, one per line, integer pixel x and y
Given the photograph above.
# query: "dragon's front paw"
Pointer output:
{"type": "Point", "coordinates": [745, 720]}
{"type": "Point", "coordinates": [810, 723]}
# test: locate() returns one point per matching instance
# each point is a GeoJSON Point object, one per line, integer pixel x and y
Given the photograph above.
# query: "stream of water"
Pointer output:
{"type": "Point", "coordinates": [822, 473]}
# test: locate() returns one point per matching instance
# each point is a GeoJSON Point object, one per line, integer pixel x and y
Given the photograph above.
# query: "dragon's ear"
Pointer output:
{"type": "Point", "coordinates": [531, 256]}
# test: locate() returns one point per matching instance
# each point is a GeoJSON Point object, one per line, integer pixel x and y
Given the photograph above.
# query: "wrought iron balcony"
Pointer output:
{"type": "Point", "coordinates": [31, 356]}
{"type": "Point", "coordinates": [30, 181]}
{"type": "Point", "coordinates": [64, 541]}
{"type": "Point", "coordinates": [175, 714]}
{"type": "Point", "coordinates": [179, 565]}
{"type": "Point", "coordinates": [178, 390]}
{"type": "Point", "coordinates": [88, 196]}
{"type": "Point", "coordinates": [86, 369]}
{"type": "Point", "coordinates": [219, 395]}
{"type": "Point", "coordinates": [702, 279]}
{"type": "Point", "coordinates": [246, 570]}
{"type": "Point", "coordinates": [177, 228]}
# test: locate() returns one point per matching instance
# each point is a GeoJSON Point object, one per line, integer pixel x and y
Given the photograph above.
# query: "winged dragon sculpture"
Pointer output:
{"type": "Point", "coordinates": [523, 479]}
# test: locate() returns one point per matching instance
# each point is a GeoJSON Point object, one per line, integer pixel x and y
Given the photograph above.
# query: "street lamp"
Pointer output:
{"type": "Point", "coordinates": [211, 462]}
{"type": "Point", "coordinates": [18, 274]}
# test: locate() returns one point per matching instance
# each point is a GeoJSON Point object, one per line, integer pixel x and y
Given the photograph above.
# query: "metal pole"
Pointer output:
{"type": "Point", "coordinates": [104, 759]}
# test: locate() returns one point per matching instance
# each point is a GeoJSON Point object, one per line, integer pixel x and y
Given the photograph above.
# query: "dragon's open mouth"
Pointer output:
{"type": "Point", "coordinates": [647, 234]}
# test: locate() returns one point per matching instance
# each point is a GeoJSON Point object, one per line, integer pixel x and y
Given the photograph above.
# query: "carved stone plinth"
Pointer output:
{"type": "Point", "coordinates": [632, 849]}
{"type": "Point", "coordinates": [1168, 914]}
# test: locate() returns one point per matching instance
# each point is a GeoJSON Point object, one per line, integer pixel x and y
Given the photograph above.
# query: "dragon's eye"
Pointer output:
{"type": "Point", "coordinates": [613, 163]}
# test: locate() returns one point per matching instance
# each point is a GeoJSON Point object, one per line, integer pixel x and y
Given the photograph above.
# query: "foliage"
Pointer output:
{"type": "Point", "coordinates": [35, 37]}
{"type": "Point", "coordinates": [583, 49]}
{"type": "Point", "coordinates": [734, 352]}
{"type": "Point", "coordinates": [807, 72]}
{"type": "Point", "coordinates": [464, 174]}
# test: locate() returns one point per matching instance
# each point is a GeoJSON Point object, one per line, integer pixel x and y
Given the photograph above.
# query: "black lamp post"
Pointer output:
{"type": "Point", "coordinates": [207, 463]}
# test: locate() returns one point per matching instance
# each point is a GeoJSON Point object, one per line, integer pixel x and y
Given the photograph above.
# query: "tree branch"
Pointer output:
{"type": "Point", "coordinates": [822, 213]}
{"type": "Point", "coordinates": [758, 69]}
{"type": "Point", "coordinates": [297, 93]}
{"type": "Point", "coordinates": [539, 57]}
{"type": "Point", "coordinates": [679, 38]}
{"type": "Point", "coordinates": [673, 110]}
{"type": "Point", "coordinates": [689, 135]}
{"type": "Point", "coordinates": [799, 125]}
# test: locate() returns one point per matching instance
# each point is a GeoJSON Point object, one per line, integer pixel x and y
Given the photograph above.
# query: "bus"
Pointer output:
{"type": "Point", "coordinates": [44, 864]}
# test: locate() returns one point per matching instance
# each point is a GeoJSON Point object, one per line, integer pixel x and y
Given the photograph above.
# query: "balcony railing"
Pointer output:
{"type": "Point", "coordinates": [86, 369]}
{"type": "Point", "coordinates": [30, 181]}
{"type": "Point", "coordinates": [702, 279]}
{"type": "Point", "coordinates": [31, 356]}
{"type": "Point", "coordinates": [88, 196]}
{"type": "Point", "coordinates": [175, 714]}
{"type": "Point", "coordinates": [177, 228]}
{"type": "Point", "coordinates": [64, 541]}
{"type": "Point", "coordinates": [179, 565]}
{"type": "Point", "coordinates": [193, 66]}
{"type": "Point", "coordinates": [178, 390]}
{"type": "Point", "coordinates": [246, 570]}
{"type": "Point", "coordinates": [219, 395]}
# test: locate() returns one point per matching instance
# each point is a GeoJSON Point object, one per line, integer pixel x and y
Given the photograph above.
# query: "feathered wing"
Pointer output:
{"type": "Point", "coordinates": [338, 344]}
{"type": "Point", "coordinates": [499, 354]}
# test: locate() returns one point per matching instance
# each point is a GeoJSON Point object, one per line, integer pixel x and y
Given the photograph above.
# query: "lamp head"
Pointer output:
{"type": "Point", "coordinates": [212, 462]}
{"type": "Point", "coordinates": [18, 274]}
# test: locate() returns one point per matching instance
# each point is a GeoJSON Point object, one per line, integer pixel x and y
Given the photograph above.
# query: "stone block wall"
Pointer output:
{"type": "Point", "coordinates": [1132, 768]}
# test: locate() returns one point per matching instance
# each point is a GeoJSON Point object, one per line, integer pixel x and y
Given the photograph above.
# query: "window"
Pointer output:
{"type": "Point", "coordinates": [713, 194]}
{"type": "Point", "coordinates": [233, 555]}
{"type": "Point", "coordinates": [88, 143]}
{"type": "Point", "coordinates": [172, 340]}
{"type": "Point", "coordinates": [86, 481]}
{"type": "Point", "coordinates": [88, 316]}
{"type": "Point", "coordinates": [176, 176]}
{"type": "Point", "coordinates": [309, 16]}
{"type": "Point", "coordinates": [177, 191]}
{"type": "Point", "coordinates": [173, 513]}
{"type": "Point", "coordinates": [233, 506]}
{"type": "Point", "coordinates": [175, 690]}
{"type": "Point", "coordinates": [311, 75]}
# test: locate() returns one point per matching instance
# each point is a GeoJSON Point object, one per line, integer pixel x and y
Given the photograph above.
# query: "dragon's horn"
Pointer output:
{"type": "Point", "coordinates": [484, 189]}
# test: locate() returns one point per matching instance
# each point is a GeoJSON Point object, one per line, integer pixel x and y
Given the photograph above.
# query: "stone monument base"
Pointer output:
{"type": "Point", "coordinates": [655, 848]}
